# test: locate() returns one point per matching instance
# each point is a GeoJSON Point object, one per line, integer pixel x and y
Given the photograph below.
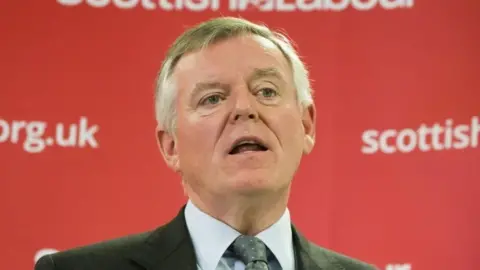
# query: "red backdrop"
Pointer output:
{"type": "Point", "coordinates": [394, 178]}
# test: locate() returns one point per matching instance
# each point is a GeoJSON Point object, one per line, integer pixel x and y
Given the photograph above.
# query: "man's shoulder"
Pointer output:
{"type": "Point", "coordinates": [340, 260]}
{"type": "Point", "coordinates": [114, 245]}
{"type": "Point", "coordinates": [109, 253]}
{"type": "Point", "coordinates": [147, 249]}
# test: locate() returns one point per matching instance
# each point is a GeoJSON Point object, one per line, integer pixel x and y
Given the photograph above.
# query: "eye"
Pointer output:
{"type": "Point", "coordinates": [211, 100]}
{"type": "Point", "coordinates": [267, 92]}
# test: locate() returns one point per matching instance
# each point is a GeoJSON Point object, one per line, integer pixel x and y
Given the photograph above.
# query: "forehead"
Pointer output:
{"type": "Point", "coordinates": [229, 60]}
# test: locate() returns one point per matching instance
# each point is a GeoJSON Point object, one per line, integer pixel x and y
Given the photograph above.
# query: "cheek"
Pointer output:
{"type": "Point", "coordinates": [292, 131]}
{"type": "Point", "coordinates": [196, 138]}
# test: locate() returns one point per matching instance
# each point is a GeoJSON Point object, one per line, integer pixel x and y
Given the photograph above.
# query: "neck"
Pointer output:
{"type": "Point", "coordinates": [249, 215]}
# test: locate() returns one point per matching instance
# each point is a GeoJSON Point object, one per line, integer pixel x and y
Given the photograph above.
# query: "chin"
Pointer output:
{"type": "Point", "coordinates": [253, 183]}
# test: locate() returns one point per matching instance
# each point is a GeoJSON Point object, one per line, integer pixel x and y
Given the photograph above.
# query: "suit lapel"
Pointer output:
{"type": "Point", "coordinates": [306, 258]}
{"type": "Point", "coordinates": [168, 247]}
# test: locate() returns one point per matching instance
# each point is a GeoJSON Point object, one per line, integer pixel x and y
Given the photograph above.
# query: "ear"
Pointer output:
{"type": "Point", "coordinates": [167, 144]}
{"type": "Point", "coordinates": [308, 121]}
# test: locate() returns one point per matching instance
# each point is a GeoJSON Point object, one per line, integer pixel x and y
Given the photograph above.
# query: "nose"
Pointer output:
{"type": "Point", "coordinates": [244, 107]}
{"type": "Point", "coordinates": [238, 116]}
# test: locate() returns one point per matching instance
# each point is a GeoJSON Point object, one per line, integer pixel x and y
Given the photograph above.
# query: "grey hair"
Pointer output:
{"type": "Point", "coordinates": [210, 32]}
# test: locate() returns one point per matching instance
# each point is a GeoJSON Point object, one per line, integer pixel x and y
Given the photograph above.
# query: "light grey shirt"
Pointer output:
{"type": "Point", "coordinates": [211, 238]}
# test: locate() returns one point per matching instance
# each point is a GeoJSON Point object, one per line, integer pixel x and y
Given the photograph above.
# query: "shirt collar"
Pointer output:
{"type": "Point", "coordinates": [211, 238]}
{"type": "Point", "coordinates": [278, 238]}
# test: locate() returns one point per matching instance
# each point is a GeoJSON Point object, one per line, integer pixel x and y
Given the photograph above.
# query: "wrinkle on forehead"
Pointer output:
{"type": "Point", "coordinates": [230, 58]}
{"type": "Point", "coordinates": [189, 60]}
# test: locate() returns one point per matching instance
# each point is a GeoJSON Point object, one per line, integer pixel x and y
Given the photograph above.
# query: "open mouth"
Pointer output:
{"type": "Point", "coordinates": [247, 145]}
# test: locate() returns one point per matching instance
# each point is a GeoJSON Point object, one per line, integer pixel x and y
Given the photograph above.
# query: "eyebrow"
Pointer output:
{"type": "Point", "coordinates": [202, 86]}
{"type": "Point", "coordinates": [265, 72]}
{"type": "Point", "coordinates": [256, 74]}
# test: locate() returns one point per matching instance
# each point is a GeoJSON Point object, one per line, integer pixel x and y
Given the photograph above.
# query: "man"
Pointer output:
{"type": "Point", "coordinates": [235, 116]}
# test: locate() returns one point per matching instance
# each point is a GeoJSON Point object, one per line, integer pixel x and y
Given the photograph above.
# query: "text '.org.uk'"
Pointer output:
{"type": "Point", "coordinates": [32, 135]}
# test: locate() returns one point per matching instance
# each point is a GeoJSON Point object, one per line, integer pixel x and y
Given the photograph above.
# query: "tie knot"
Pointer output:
{"type": "Point", "coordinates": [250, 249]}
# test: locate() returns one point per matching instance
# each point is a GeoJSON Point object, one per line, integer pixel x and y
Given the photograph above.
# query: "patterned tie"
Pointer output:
{"type": "Point", "coordinates": [252, 251]}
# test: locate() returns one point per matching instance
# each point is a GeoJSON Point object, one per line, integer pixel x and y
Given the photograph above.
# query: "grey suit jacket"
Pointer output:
{"type": "Point", "coordinates": [169, 247]}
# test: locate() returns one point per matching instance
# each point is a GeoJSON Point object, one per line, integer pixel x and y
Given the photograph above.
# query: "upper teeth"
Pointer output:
{"type": "Point", "coordinates": [247, 141]}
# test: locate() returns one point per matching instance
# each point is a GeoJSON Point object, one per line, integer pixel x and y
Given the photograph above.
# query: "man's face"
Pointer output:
{"type": "Point", "coordinates": [240, 129]}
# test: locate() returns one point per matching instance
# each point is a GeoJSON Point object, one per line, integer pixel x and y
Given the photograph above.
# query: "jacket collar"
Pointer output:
{"type": "Point", "coordinates": [170, 247]}
{"type": "Point", "coordinates": [308, 258]}
{"type": "Point", "coordinates": [167, 247]}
